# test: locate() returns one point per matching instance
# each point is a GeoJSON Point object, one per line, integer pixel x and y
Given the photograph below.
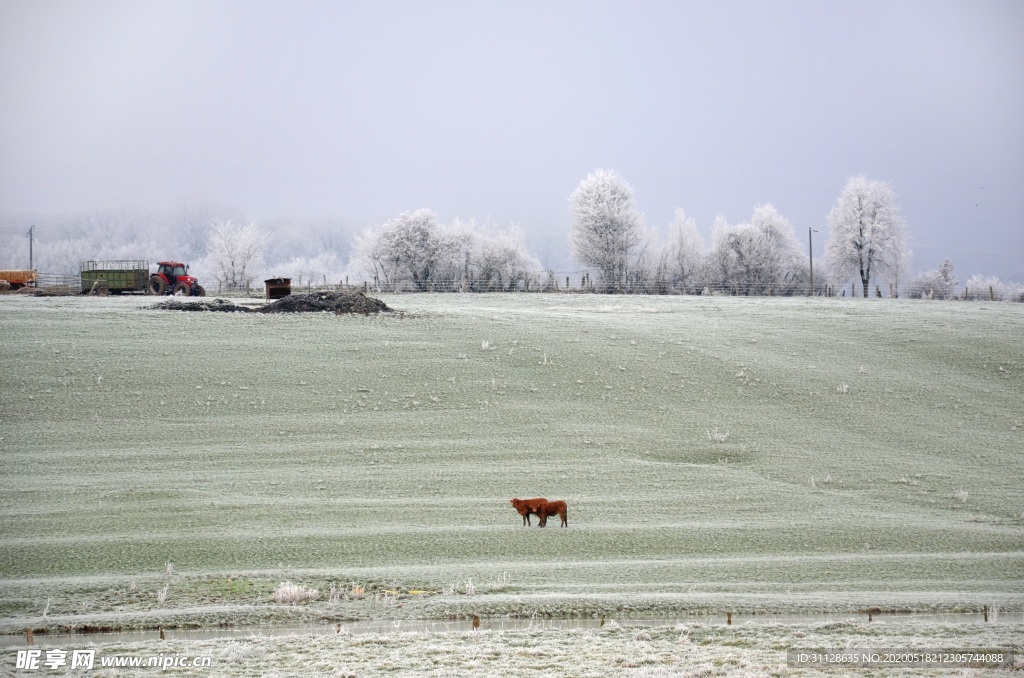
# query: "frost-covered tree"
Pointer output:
{"type": "Point", "coordinates": [404, 250]}
{"type": "Point", "coordinates": [649, 268]}
{"type": "Point", "coordinates": [736, 252]}
{"type": "Point", "coordinates": [606, 228]}
{"type": "Point", "coordinates": [784, 258]}
{"type": "Point", "coordinates": [685, 250]}
{"type": "Point", "coordinates": [501, 260]}
{"type": "Point", "coordinates": [867, 235]}
{"type": "Point", "coordinates": [234, 253]}
{"type": "Point", "coordinates": [415, 252]}
{"type": "Point", "coordinates": [760, 257]}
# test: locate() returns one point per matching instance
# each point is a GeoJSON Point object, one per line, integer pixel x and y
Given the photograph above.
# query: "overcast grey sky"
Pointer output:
{"type": "Point", "coordinates": [497, 110]}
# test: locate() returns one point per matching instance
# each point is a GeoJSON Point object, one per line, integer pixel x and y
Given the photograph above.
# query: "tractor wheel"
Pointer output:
{"type": "Point", "coordinates": [198, 291]}
{"type": "Point", "coordinates": [156, 286]}
{"type": "Point", "coordinates": [181, 290]}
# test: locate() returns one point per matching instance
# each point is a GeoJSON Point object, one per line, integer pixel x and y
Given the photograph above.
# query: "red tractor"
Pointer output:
{"type": "Point", "coordinates": [172, 278]}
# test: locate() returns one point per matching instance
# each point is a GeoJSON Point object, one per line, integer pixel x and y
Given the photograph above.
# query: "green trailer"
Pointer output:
{"type": "Point", "coordinates": [115, 277]}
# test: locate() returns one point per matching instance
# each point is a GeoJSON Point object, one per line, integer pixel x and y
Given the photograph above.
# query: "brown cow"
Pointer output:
{"type": "Point", "coordinates": [526, 507]}
{"type": "Point", "coordinates": [552, 508]}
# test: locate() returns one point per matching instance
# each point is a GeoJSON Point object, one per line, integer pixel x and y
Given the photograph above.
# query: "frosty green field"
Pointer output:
{"type": "Point", "coordinates": [717, 454]}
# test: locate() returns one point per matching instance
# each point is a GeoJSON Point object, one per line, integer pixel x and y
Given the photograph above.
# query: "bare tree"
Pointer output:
{"type": "Point", "coordinates": [606, 228]}
{"type": "Point", "coordinates": [867, 235]}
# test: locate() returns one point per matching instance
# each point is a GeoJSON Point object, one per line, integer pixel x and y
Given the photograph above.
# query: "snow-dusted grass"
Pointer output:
{"type": "Point", "coordinates": [617, 649]}
{"type": "Point", "coordinates": [325, 450]}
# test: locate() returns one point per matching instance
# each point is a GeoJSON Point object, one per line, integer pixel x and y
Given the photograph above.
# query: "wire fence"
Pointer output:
{"type": "Point", "coordinates": [581, 283]}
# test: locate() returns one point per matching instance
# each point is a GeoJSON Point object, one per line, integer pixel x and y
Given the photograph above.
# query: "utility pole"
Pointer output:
{"type": "Point", "coordinates": [810, 249]}
{"type": "Point", "coordinates": [31, 229]}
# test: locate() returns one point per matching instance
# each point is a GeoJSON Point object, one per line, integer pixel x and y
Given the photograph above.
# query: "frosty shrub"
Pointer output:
{"type": "Point", "coordinates": [235, 652]}
{"type": "Point", "coordinates": [937, 284]}
{"type": "Point", "coordinates": [288, 593]}
{"type": "Point", "coordinates": [161, 596]}
{"type": "Point", "coordinates": [981, 288]}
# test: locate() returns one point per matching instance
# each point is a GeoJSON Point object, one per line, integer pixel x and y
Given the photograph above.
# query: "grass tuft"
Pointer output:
{"type": "Point", "coordinates": [717, 436]}
{"type": "Point", "coordinates": [288, 593]}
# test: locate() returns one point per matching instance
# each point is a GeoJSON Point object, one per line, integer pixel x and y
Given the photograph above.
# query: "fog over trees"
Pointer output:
{"type": "Point", "coordinates": [866, 244]}
{"type": "Point", "coordinates": [306, 250]}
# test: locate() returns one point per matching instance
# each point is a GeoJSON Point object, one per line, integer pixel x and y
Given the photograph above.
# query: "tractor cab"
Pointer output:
{"type": "Point", "coordinates": [172, 277]}
{"type": "Point", "coordinates": [172, 270]}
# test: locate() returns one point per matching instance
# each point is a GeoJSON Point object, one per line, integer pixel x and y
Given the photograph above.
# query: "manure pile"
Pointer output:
{"type": "Point", "coordinates": [333, 302]}
{"type": "Point", "coordinates": [215, 305]}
